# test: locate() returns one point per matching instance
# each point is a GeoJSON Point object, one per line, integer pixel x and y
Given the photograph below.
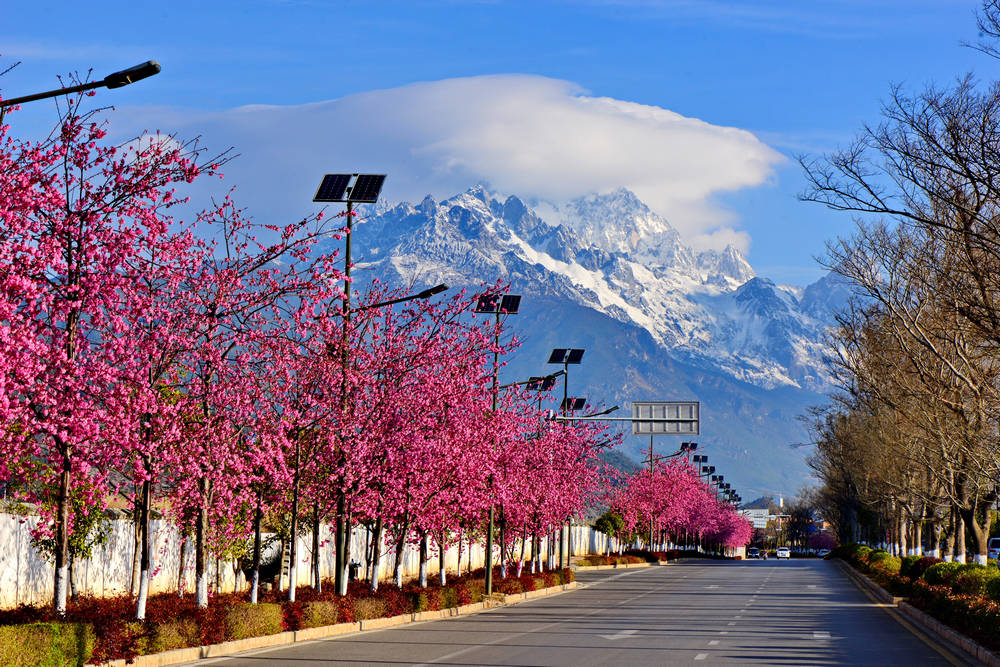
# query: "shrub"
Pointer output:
{"type": "Point", "coordinates": [368, 608]}
{"type": "Point", "coordinates": [941, 573]}
{"type": "Point", "coordinates": [169, 635]}
{"type": "Point", "coordinates": [993, 589]}
{"type": "Point", "coordinates": [449, 597]}
{"type": "Point", "coordinates": [318, 613]}
{"type": "Point", "coordinates": [906, 565]}
{"type": "Point", "coordinates": [46, 644]}
{"type": "Point", "coordinates": [476, 588]}
{"type": "Point", "coordinates": [917, 569]}
{"type": "Point", "coordinates": [884, 562]}
{"type": "Point", "coordinates": [253, 620]}
{"type": "Point", "coordinates": [973, 581]}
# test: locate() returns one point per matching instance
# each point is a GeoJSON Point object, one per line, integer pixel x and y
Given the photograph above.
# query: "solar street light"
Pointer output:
{"type": "Point", "coordinates": [572, 404]}
{"type": "Point", "coordinates": [495, 304]}
{"type": "Point", "coordinates": [350, 189]}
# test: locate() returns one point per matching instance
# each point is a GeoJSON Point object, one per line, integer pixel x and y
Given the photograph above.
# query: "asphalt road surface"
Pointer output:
{"type": "Point", "coordinates": [793, 612]}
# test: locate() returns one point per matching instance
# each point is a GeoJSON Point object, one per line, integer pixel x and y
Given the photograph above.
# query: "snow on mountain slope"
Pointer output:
{"type": "Point", "coordinates": [610, 253]}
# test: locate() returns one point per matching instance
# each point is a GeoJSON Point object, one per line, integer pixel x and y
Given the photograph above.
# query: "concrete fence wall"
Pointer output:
{"type": "Point", "coordinates": [26, 578]}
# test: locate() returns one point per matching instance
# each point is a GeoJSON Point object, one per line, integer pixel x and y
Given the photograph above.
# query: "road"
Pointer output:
{"type": "Point", "coordinates": [738, 612]}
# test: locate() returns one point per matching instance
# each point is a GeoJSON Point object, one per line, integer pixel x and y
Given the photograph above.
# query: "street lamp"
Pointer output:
{"type": "Point", "coordinates": [113, 80]}
{"type": "Point", "coordinates": [495, 304]}
{"type": "Point", "coordinates": [565, 356]}
{"type": "Point", "coordinates": [350, 189]}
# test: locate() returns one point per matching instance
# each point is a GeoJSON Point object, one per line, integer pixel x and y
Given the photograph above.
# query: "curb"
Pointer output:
{"type": "Point", "coordinates": [196, 653]}
{"type": "Point", "coordinates": [619, 566]}
{"type": "Point", "coordinates": [963, 646]}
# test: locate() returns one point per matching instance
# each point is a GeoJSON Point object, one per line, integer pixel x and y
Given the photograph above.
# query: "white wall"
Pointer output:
{"type": "Point", "coordinates": [25, 578]}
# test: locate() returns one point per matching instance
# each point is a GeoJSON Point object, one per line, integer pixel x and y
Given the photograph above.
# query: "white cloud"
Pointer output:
{"type": "Point", "coordinates": [536, 137]}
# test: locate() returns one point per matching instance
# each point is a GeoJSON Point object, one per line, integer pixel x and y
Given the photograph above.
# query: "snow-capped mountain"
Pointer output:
{"type": "Point", "coordinates": [659, 320]}
{"type": "Point", "coordinates": [613, 254]}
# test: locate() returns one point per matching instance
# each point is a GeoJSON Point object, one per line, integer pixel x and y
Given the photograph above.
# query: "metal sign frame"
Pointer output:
{"type": "Point", "coordinates": [666, 417]}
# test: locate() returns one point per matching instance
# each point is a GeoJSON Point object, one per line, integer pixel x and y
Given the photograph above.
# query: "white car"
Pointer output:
{"type": "Point", "coordinates": [823, 553]}
{"type": "Point", "coordinates": [783, 552]}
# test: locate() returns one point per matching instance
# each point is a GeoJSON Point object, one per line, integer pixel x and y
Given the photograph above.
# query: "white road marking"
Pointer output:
{"type": "Point", "coordinates": [821, 635]}
{"type": "Point", "coordinates": [714, 642]}
{"type": "Point", "coordinates": [811, 586]}
{"type": "Point", "coordinates": [622, 634]}
{"type": "Point", "coordinates": [711, 586]}
{"type": "Point", "coordinates": [724, 632]}
{"type": "Point", "coordinates": [731, 624]}
{"type": "Point", "coordinates": [701, 656]}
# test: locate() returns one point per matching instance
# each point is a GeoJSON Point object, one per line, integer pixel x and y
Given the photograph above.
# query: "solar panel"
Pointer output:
{"type": "Point", "coordinates": [575, 355]}
{"type": "Point", "coordinates": [487, 303]}
{"type": "Point", "coordinates": [534, 383]}
{"type": "Point", "coordinates": [366, 188]}
{"type": "Point", "coordinates": [574, 404]}
{"type": "Point", "coordinates": [332, 188]}
{"type": "Point", "coordinates": [548, 383]}
{"type": "Point", "coordinates": [558, 355]}
{"type": "Point", "coordinates": [510, 303]}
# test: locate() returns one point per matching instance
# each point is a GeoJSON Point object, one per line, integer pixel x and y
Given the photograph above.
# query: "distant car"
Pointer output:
{"type": "Point", "coordinates": [823, 553]}
{"type": "Point", "coordinates": [993, 548]}
{"type": "Point", "coordinates": [753, 552]}
{"type": "Point", "coordinates": [783, 552]}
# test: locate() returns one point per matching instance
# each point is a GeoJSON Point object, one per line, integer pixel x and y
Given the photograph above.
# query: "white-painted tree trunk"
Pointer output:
{"type": "Point", "coordinates": [201, 589]}
{"type": "Point", "coordinates": [946, 558]}
{"type": "Point", "coordinates": [140, 606]}
{"type": "Point", "coordinates": [61, 587]}
{"type": "Point", "coordinates": [292, 580]}
{"type": "Point", "coordinates": [254, 584]}
{"type": "Point", "coordinates": [935, 553]}
{"type": "Point", "coordinates": [423, 573]}
{"type": "Point", "coordinates": [960, 558]}
{"type": "Point", "coordinates": [376, 573]}
{"type": "Point", "coordinates": [982, 559]}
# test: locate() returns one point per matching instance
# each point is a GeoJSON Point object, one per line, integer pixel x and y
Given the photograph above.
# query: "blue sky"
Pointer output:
{"type": "Point", "coordinates": [796, 77]}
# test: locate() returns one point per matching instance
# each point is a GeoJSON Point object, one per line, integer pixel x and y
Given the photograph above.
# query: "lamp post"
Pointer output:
{"type": "Point", "coordinates": [566, 356]}
{"type": "Point", "coordinates": [495, 304]}
{"type": "Point", "coordinates": [350, 189]}
{"type": "Point", "coordinates": [113, 80]}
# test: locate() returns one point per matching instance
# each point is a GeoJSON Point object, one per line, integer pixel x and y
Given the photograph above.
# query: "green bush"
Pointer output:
{"type": "Point", "coordinates": [993, 589]}
{"type": "Point", "coordinates": [941, 573]}
{"type": "Point", "coordinates": [449, 597]}
{"type": "Point", "coordinates": [368, 608]}
{"type": "Point", "coordinates": [477, 589]}
{"type": "Point", "coordinates": [883, 561]}
{"type": "Point", "coordinates": [318, 613]}
{"type": "Point", "coordinates": [973, 581]}
{"type": "Point", "coordinates": [420, 602]}
{"type": "Point", "coordinates": [861, 552]}
{"type": "Point", "coordinates": [253, 620]}
{"type": "Point", "coordinates": [170, 635]}
{"type": "Point", "coordinates": [906, 565]}
{"type": "Point", "coordinates": [55, 644]}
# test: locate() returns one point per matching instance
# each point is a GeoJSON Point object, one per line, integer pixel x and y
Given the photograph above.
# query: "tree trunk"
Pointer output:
{"type": "Point", "coordinates": [376, 555]}
{"type": "Point", "coordinates": [182, 563]}
{"type": "Point", "coordinates": [397, 570]}
{"type": "Point", "coordinates": [201, 548]}
{"type": "Point", "coordinates": [340, 557]}
{"type": "Point", "coordinates": [442, 553]}
{"type": "Point", "coordinates": [423, 560]}
{"type": "Point", "coordinates": [317, 583]}
{"type": "Point", "coordinates": [145, 508]}
{"type": "Point", "coordinates": [255, 567]}
{"type": "Point", "coordinates": [60, 583]}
